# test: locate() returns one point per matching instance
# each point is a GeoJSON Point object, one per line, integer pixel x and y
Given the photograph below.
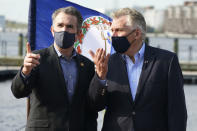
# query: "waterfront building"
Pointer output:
{"type": "Point", "coordinates": [181, 19]}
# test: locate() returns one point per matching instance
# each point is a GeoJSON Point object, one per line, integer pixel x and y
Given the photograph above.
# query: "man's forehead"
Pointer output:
{"type": "Point", "coordinates": [120, 22]}
{"type": "Point", "coordinates": [62, 17]}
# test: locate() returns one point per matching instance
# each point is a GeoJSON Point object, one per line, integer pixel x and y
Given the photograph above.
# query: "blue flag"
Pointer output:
{"type": "Point", "coordinates": [40, 21]}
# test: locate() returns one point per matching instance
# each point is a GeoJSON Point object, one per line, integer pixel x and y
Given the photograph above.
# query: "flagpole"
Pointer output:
{"type": "Point", "coordinates": [28, 106]}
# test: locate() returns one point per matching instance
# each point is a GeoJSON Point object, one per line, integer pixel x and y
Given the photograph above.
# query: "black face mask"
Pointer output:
{"type": "Point", "coordinates": [64, 39]}
{"type": "Point", "coordinates": [121, 44]}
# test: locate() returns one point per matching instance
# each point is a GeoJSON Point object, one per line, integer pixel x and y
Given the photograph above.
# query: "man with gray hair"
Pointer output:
{"type": "Point", "coordinates": [141, 87]}
{"type": "Point", "coordinates": [57, 79]}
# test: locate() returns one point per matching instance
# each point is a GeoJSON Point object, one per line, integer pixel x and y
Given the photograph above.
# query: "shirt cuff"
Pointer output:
{"type": "Point", "coordinates": [24, 77]}
{"type": "Point", "coordinates": [103, 82]}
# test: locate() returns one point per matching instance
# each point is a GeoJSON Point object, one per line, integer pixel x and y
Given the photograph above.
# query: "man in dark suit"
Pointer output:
{"type": "Point", "coordinates": [57, 80]}
{"type": "Point", "coordinates": [141, 87]}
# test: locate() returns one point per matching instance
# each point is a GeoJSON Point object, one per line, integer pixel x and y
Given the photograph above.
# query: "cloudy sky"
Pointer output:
{"type": "Point", "coordinates": [17, 10]}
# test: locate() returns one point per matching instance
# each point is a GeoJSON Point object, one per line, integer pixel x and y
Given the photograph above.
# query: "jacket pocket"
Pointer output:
{"type": "Point", "coordinates": [38, 123]}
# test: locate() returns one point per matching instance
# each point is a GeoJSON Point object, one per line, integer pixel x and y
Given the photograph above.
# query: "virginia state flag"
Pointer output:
{"type": "Point", "coordinates": [95, 32]}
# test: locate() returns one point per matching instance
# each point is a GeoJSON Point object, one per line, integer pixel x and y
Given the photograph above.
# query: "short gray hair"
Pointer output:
{"type": "Point", "coordinates": [134, 18]}
{"type": "Point", "coordinates": [70, 11]}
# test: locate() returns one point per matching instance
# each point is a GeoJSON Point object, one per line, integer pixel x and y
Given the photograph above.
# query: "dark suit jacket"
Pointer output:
{"type": "Point", "coordinates": [159, 104]}
{"type": "Point", "coordinates": [50, 109]}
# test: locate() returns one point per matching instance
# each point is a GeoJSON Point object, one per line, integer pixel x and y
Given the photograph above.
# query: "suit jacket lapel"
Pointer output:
{"type": "Point", "coordinates": [125, 76]}
{"type": "Point", "coordinates": [80, 64]}
{"type": "Point", "coordinates": [79, 88]}
{"type": "Point", "coordinates": [149, 59]}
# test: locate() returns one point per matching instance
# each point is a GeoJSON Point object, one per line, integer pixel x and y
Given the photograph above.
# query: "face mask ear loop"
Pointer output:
{"type": "Point", "coordinates": [130, 33]}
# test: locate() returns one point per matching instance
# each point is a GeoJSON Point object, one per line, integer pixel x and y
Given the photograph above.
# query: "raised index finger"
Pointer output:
{"type": "Point", "coordinates": [28, 47]}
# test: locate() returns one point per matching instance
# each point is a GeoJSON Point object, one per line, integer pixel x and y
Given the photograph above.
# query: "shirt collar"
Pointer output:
{"type": "Point", "coordinates": [74, 53]}
{"type": "Point", "coordinates": [140, 53]}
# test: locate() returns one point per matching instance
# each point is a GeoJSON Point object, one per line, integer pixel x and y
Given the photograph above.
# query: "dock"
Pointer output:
{"type": "Point", "coordinates": [8, 72]}
{"type": "Point", "coordinates": [9, 66]}
{"type": "Point", "coordinates": [11, 61]}
{"type": "Point", "coordinates": [190, 77]}
{"type": "Point", "coordinates": [189, 70]}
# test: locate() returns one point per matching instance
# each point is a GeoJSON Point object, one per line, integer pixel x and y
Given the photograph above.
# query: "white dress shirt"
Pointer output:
{"type": "Point", "coordinates": [134, 69]}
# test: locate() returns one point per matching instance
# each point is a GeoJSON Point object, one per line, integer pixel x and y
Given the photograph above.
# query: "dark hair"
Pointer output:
{"type": "Point", "coordinates": [70, 11]}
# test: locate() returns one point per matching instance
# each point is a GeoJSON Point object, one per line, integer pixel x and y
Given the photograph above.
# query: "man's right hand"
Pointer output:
{"type": "Point", "coordinates": [31, 60]}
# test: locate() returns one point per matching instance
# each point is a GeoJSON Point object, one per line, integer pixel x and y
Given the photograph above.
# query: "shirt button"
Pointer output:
{"type": "Point", "coordinates": [133, 113]}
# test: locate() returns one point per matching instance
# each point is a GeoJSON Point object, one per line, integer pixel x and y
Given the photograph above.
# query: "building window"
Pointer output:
{"type": "Point", "coordinates": [195, 12]}
{"type": "Point", "coordinates": [170, 13]}
{"type": "Point", "coordinates": [187, 12]}
{"type": "Point", "coordinates": [177, 12]}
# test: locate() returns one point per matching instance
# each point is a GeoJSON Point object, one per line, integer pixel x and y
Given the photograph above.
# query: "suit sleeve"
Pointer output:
{"type": "Point", "coordinates": [97, 93]}
{"type": "Point", "coordinates": [177, 112]}
{"type": "Point", "coordinates": [21, 87]}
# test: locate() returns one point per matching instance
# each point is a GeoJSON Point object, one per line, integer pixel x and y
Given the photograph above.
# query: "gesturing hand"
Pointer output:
{"type": "Point", "coordinates": [101, 62]}
{"type": "Point", "coordinates": [31, 60]}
